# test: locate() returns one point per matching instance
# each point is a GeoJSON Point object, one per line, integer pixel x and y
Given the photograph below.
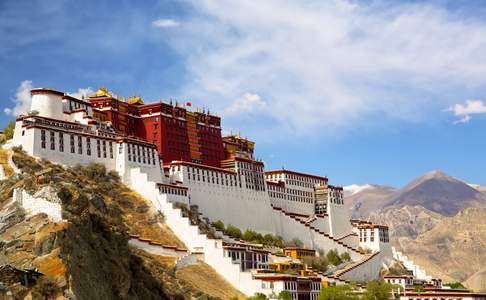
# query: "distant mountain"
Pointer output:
{"type": "Point", "coordinates": [453, 249]}
{"type": "Point", "coordinates": [352, 189]}
{"type": "Point", "coordinates": [406, 221]}
{"type": "Point", "coordinates": [440, 193]}
{"type": "Point", "coordinates": [436, 220]}
{"type": "Point", "coordinates": [367, 199]}
{"type": "Point", "coordinates": [478, 187]}
{"type": "Point", "coordinates": [435, 191]}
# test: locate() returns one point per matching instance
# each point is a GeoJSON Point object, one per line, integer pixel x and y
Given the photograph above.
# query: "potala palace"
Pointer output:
{"type": "Point", "coordinates": [170, 154]}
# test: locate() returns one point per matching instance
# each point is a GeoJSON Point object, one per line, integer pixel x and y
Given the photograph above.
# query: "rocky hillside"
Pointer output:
{"type": "Point", "coordinates": [367, 199]}
{"type": "Point", "coordinates": [453, 249]}
{"type": "Point", "coordinates": [406, 221]}
{"type": "Point", "coordinates": [86, 255]}
{"type": "Point", "coordinates": [437, 220]}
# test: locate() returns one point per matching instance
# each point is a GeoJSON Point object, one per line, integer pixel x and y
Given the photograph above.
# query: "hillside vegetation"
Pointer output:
{"type": "Point", "coordinates": [87, 255]}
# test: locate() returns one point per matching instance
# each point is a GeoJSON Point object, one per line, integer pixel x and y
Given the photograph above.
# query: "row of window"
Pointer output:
{"type": "Point", "coordinates": [75, 144]}
{"type": "Point", "coordinates": [141, 154]}
{"type": "Point", "coordinates": [213, 177]}
{"type": "Point", "coordinates": [290, 197]}
{"type": "Point", "coordinates": [298, 180]}
{"type": "Point", "coordinates": [336, 196]}
{"type": "Point", "coordinates": [172, 190]}
{"type": "Point", "coordinates": [383, 235]}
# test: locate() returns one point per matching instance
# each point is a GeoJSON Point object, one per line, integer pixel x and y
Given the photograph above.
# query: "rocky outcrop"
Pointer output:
{"type": "Point", "coordinates": [86, 255]}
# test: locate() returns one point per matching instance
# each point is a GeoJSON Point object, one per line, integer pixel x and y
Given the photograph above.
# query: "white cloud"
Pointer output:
{"type": "Point", "coordinates": [464, 111]}
{"type": "Point", "coordinates": [22, 99]}
{"type": "Point", "coordinates": [246, 104]}
{"type": "Point", "coordinates": [164, 23]}
{"type": "Point", "coordinates": [82, 93]}
{"type": "Point", "coordinates": [330, 66]}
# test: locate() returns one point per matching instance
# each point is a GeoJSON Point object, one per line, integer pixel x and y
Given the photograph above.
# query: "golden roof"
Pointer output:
{"type": "Point", "coordinates": [135, 100]}
{"type": "Point", "coordinates": [101, 92]}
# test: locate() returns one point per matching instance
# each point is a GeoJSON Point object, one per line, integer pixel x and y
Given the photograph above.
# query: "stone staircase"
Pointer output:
{"type": "Point", "coordinates": [418, 272]}
{"type": "Point", "coordinates": [339, 245]}
{"type": "Point", "coordinates": [340, 274]}
{"type": "Point", "coordinates": [211, 249]}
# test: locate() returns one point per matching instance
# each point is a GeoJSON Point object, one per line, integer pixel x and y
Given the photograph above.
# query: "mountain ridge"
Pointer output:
{"type": "Point", "coordinates": [434, 190]}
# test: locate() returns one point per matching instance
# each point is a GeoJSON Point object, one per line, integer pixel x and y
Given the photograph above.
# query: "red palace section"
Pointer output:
{"type": "Point", "coordinates": [178, 133]}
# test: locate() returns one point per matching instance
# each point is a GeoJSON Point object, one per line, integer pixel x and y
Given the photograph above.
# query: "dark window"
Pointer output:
{"type": "Point", "coordinates": [80, 144]}
{"type": "Point", "coordinates": [72, 143]}
{"type": "Point", "coordinates": [61, 142]}
{"type": "Point", "coordinates": [52, 140]}
{"type": "Point", "coordinates": [43, 139]}
{"type": "Point", "coordinates": [88, 146]}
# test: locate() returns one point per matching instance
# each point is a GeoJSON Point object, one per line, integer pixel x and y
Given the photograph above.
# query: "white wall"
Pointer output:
{"type": "Point", "coordinates": [241, 207]}
{"type": "Point", "coordinates": [34, 206]}
{"type": "Point", "coordinates": [189, 234]}
{"type": "Point", "coordinates": [339, 217]}
{"type": "Point", "coordinates": [367, 271]}
{"type": "Point", "coordinates": [48, 105]}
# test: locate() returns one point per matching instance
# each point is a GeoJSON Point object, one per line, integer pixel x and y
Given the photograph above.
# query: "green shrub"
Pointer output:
{"type": "Point", "coordinates": [333, 257]}
{"type": "Point", "coordinates": [378, 290]}
{"type": "Point", "coordinates": [338, 292]}
{"type": "Point", "coordinates": [294, 243]}
{"type": "Point", "coordinates": [259, 296]}
{"type": "Point", "coordinates": [233, 232]}
{"type": "Point", "coordinates": [320, 263]}
{"type": "Point", "coordinates": [284, 295]}
{"type": "Point", "coordinates": [345, 256]}
{"type": "Point", "coordinates": [456, 286]}
{"type": "Point", "coordinates": [219, 225]}
{"type": "Point", "coordinates": [419, 288]}
{"type": "Point", "coordinates": [9, 130]}
{"type": "Point", "coordinates": [249, 235]}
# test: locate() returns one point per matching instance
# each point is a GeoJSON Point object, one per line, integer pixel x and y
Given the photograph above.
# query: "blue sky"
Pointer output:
{"type": "Point", "coordinates": [360, 91]}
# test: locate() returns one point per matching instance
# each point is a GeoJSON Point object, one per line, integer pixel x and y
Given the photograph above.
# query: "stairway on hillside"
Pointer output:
{"type": "Point", "coordinates": [418, 271]}
{"type": "Point", "coordinates": [316, 230]}
{"type": "Point", "coordinates": [192, 236]}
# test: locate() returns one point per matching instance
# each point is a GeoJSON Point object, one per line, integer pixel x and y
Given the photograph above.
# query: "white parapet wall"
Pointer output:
{"type": "Point", "coordinates": [34, 206]}
{"type": "Point", "coordinates": [365, 270]}
{"type": "Point", "coordinates": [156, 249]}
{"type": "Point", "coordinates": [192, 238]}
{"type": "Point", "coordinates": [418, 272]}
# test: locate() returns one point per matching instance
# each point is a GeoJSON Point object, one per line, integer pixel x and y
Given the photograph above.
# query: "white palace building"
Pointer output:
{"type": "Point", "coordinates": [170, 154]}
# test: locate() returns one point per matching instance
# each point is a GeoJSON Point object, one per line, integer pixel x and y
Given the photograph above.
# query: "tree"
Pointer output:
{"type": "Point", "coordinates": [333, 257]}
{"type": "Point", "coordinates": [9, 130]}
{"type": "Point", "coordinates": [278, 241]}
{"type": "Point", "coordinates": [285, 295]}
{"type": "Point", "coordinates": [259, 296]}
{"type": "Point", "coordinates": [249, 235]}
{"type": "Point", "coordinates": [233, 231]}
{"type": "Point", "coordinates": [219, 225]}
{"type": "Point", "coordinates": [345, 256]}
{"type": "Point", "coordinates": [456, 286]}
{"type": "Point", "coordinates": [378, 290]}
{"type": "Point", "coordinates": [268, 239]}
{"type": "Point", "coordinates": [419, 288]}
{"type": "Point", "coordinates": [317, 263]}
{"type": "Point", "coordinates": [295, 243]}
{"type": "Point", "coordinates": [337, 292]}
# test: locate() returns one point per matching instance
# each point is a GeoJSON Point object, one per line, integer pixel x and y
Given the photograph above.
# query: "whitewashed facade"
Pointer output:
{"type": "Point", "coordinates": [62, 129]}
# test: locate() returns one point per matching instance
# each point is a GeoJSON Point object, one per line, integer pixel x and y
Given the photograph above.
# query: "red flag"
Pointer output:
{"type": "Point", "coordinates": [188, 104]}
